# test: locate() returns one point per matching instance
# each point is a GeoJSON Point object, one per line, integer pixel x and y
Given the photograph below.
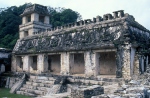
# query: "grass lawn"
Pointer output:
{"type": "Point", "coordinates": [4, 93]}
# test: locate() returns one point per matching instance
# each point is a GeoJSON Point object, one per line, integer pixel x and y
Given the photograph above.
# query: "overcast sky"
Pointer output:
{"type": "Point", "coordinates": [140, 9]}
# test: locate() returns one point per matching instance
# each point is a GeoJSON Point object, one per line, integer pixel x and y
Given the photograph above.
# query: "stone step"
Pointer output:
{"type": "Point", "coordinates": [29, 83]}
{"type": "Point", "coordinates": [92, 82]}
{"type": "Point", "coordinates": [40, 80]}
{"type": "Point", "coordinates": [35, 85]}
{"type": "Point", "coordinates": [42, 88]}
{"type": "Point", "coordinates": [32, 91]}
{"type": "Point", "coordinates": [32, 77]}
{"type": "Point", "coordinates": [52, 78]}
{"type": "Point", "coordinates": [33, 88]}
{"type": "Point", "coordinates": [110, 79]}
{"type": "Point", "coordinates": [60, 95]}
{"type": "Point", "coordinates": [30, 94]}
{"type": "Point", "coordinates": [134, 95]}
{"type": "Point", "coordinates": [23, 89]}
{"type": "Point", "coordinates": [135, 90]}
{"type": "Point", "coordinates": [29, 87]}
{"type": "Point", "coordinates": [26, 93]}
{"type": "Point", "coordinates": [49, 82]}
{"type": "Point", "coordinates": [20, 92]}
{"type": "Point", "coordinates": [106, 96]}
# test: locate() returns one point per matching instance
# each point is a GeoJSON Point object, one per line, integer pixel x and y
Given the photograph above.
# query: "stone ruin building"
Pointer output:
{"type": "Point", "coordinates": [5, 60]}
{"type": "Point", "coordinates": [5, 64]}
{"type": "Point", "coordinates": [112, 45]}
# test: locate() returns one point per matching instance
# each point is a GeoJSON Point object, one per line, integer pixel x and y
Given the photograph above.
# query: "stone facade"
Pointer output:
{"type": "Point", "coordinates": [112, 45]}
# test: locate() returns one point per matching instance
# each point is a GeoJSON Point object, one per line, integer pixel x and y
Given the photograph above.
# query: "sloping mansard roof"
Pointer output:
{"type": "Point", "coordinates": [107, 32]}
{"type": "Point", "coordinates": [35, 8]}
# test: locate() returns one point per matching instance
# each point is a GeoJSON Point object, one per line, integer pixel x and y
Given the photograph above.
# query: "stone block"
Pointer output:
{"type": "Point", "coordinates": [50, 82]}
{"type": "Point", "coordinates": [35, 84]}
{"type": "Point", "coordinates": [71, 80]}
{"type": "Point", "coordinates": [42, 78]}
{"type": "Point", "coordinates": [22, 89]}
{"type": "Point", "coordinates": [87, 81]}
{"type": "Point", "coordinates": [51, 78]}
{"type": "Point", "coordinates": [42, 88]}
{"type": "Point", "coordinates": [33, 77]}
{"type": "Point", "coordinates": [135, 90]}
{"type": "Point", "coordinates": [19, 92]}
{"type": "Point", "coordinates": [48, 85]}
{"type": "Point", "coordinates": [86, 91]}
{"type": "Point", "coordinates": [39, 92]}
{"type": "Point", "coordinates": [29, 83]}
{"type": "Point", "coordinates": [41, 84]}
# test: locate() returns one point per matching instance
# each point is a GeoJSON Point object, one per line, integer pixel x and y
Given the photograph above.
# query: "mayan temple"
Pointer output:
{"type": "Point", "coordinates": [91, 58]}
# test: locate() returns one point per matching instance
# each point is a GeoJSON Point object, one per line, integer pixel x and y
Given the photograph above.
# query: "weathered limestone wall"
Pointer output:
{"type": "Point", "coordinates": [24, 20]}
{"type": "Point", "coordinates": [126, 67]}
{"type": "Point", "coordinates": [85, 37]}
{"type": "Point", "coordinates": [132, 59]}
{"type": "Point", "coordinates": [54, 63]}
{"type": "Point", "coordinates": [107, 63]}
{"type": "Point", "coordinates": [30, 32]}
{"type": "Point", "coordinates": [32, 27]}
{"type": "Point", "coordinates": [91, 63]}
{"type": "Point", "coordinates": [78, 67]}
{"type": "Point", "coordinates": [46, 20]}
{"type": "Point", "coordinates": [21, 34]}
{"type": "Point", "coordinates": [34, 17]}
{"type": "Point", "coordinates": [66, 62]}
{"type": "Point", "coordinates": [42, 63]}
{"type": "Point", "coordinates": [27, 63]}
{"type": "Point", "coordinates": [136, 65]}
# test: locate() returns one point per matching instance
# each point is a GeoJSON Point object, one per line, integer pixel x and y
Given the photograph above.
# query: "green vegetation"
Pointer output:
{"type": "Point", "coordinates": [4, 93]}
{"type": "Point", "coordinates": [10, 21]}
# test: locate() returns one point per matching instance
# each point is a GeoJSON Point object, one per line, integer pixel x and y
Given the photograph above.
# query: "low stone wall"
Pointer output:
{"type": "Point", "coordinates": [12, 80]}
{"type": "Point", "coordinates": [86, 91]}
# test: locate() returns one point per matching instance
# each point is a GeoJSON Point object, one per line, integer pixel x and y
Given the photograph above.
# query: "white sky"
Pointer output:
{"type": "Point", "coordinates": [140, 9]}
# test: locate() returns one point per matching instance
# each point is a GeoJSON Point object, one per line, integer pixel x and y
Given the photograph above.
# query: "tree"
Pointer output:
{"type": "Point", "coordinates": [10, 21]}
{"type": "Point", "coordinates": [60, 16]}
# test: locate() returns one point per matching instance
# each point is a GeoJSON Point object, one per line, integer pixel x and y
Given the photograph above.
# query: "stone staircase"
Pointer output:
{"type": "Point", "coordinates": [37, 86]}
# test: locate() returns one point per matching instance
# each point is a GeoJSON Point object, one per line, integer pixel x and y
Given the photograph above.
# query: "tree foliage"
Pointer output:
{"type": "Point", "coordinates": [60, 16]}
{"type": "Point", "coordinates": [10, 21]}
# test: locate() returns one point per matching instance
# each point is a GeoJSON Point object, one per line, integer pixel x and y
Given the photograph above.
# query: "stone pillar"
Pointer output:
{"type": "Point", "coordinates": [132, 59]}
{"type": "Point", "coordinates": [136, 65]}
{"type": "Point", "coordinates": [123, 62]}
{"type": "Point", "coordinates": [21, 34]}
{"type": "Point", "coordinates": [24, 20]}
{"type": "Point", "coordinates": [46, 20]}
{"type": "Point", "coordinates": [91, 63]}
{"type": "Point", "coordinates": [26, 63]}
{"type": "Point", "coordinates": [42, 63]}
{"type": "Point", "coordinates": [34, 17]}
{"type": "Point", "coordinates": [13, 63]}
{"type": "Point", "coordinates": [30, 32]}
{"type": "Point", "coordinates": [141, 64]}
{"type": "Point", "coordinates": [65, 63]}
